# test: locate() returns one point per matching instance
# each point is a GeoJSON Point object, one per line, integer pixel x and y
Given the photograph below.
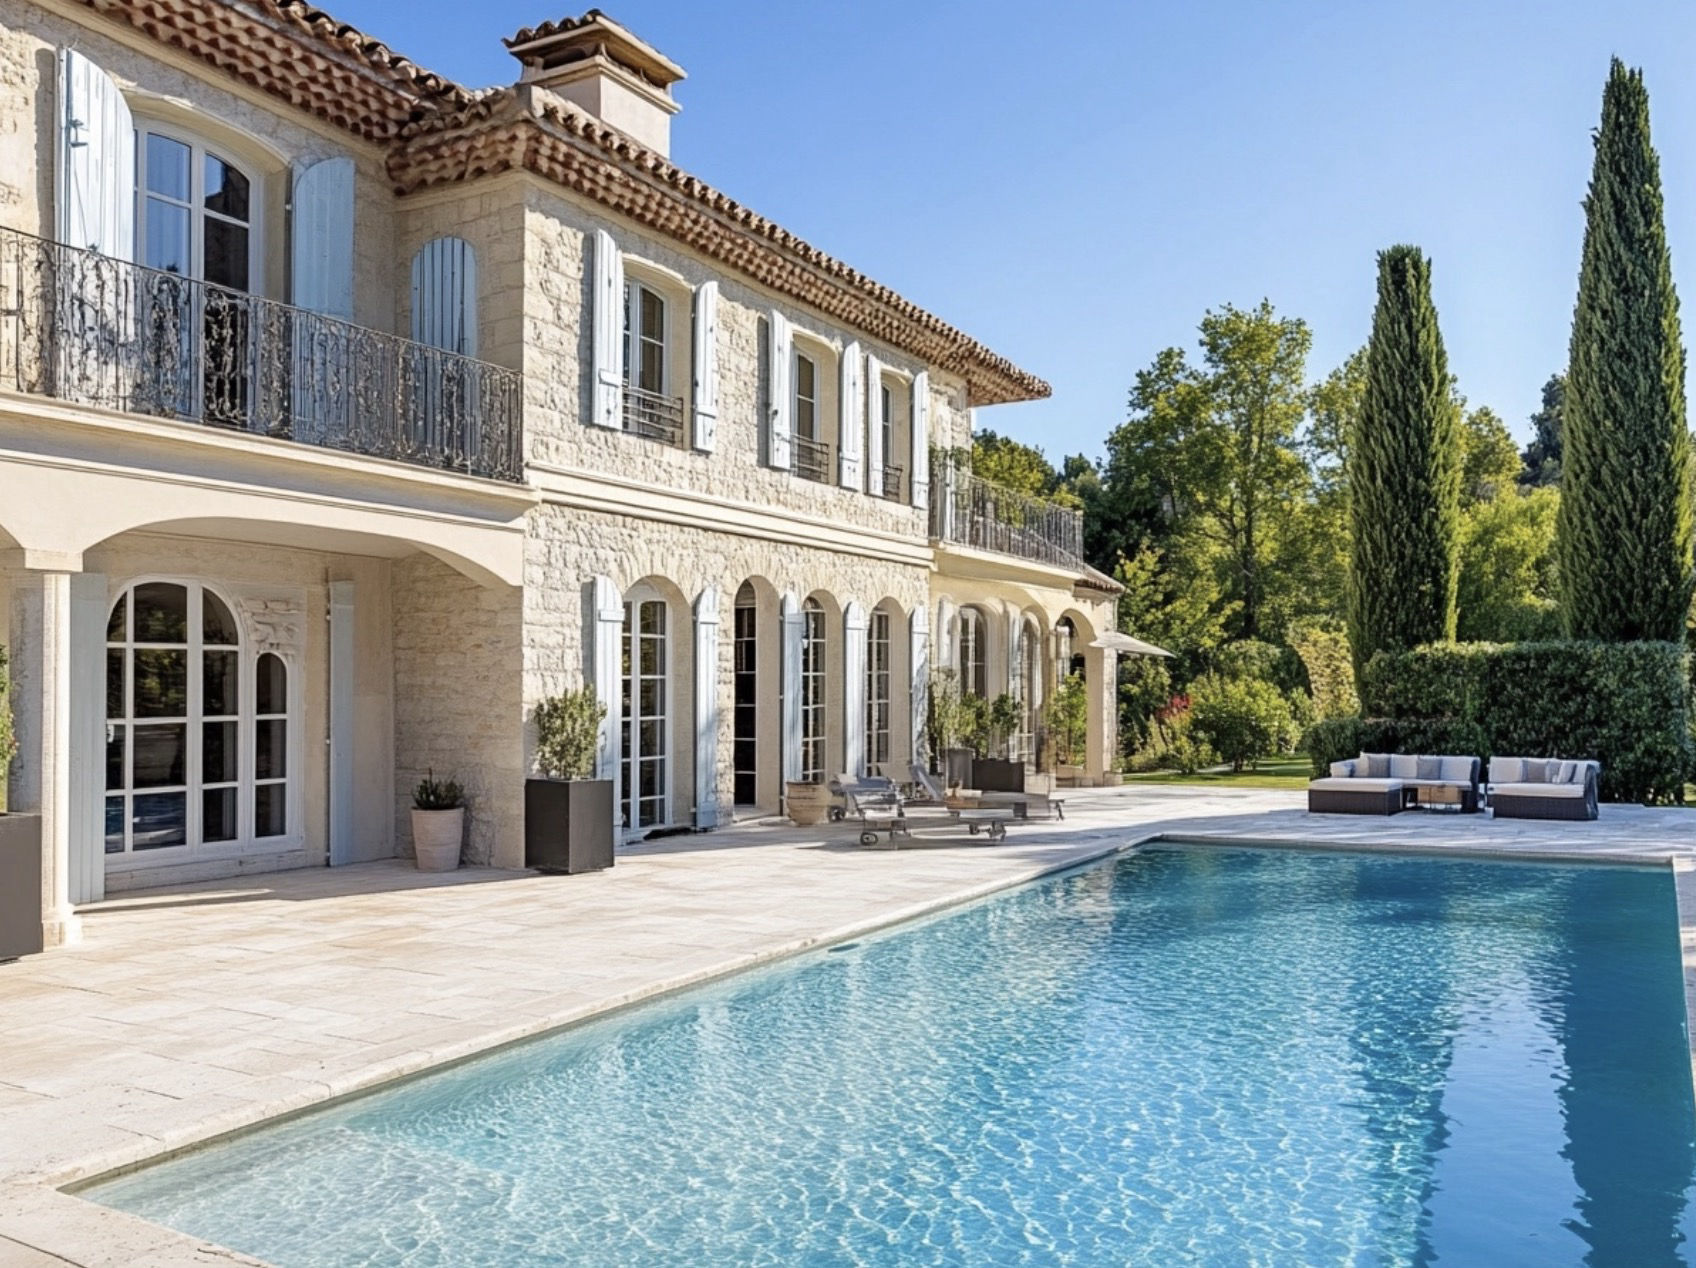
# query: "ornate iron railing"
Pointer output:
{"type": "Point", "coordinates": [891, 482]}
{"type": "Point", "coordinates": [652, 415]}
{"type": "Point", "coordinates": [85, 328]}
{"type": "Point", "coordinates": [975, 512]}
{"type": "Point", "coordinates": [812, 460]}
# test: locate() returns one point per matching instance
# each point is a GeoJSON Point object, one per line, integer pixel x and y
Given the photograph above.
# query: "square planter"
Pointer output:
{"type": "Point", "coordinates": [20, 885]}
{"type": "Point", "coordinates": [998, 774]}
{"type": "Point", "coordinates": [568, 825]}
{"type": "Point", "coordinates": [957, 767]}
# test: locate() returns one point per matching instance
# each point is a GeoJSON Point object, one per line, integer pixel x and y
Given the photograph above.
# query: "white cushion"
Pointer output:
{"type": "Point", "coordinates": [1358, 784]}
{"type": "Point", "coordinates": [1404, 766]}
{"type": "Point", "coordinates": [1563, 791]}
{"type": "Point", "coordinates": [1457, 769]}
{"type": "Point", "coordinates": [1507, 770]}
{"type": "Point", "coordinates": [1343, 769]}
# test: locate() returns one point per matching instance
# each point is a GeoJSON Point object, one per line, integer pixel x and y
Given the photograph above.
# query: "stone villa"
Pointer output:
{"type": "Point", "coordinates": [346, 412]}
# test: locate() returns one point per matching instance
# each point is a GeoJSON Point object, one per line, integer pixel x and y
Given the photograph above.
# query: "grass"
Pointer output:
{"type": "Point", "coordinates": [1272, 772]}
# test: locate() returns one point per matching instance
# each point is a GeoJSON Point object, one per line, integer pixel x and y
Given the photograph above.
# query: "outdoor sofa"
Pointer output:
{"type": "Point", "coordinates": [1535, 788]}
{"type": "Point", "coordinates": [1388, 783]}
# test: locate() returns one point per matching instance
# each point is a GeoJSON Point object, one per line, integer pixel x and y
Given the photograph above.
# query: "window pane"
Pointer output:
{"type": "Point", "coordinates": [653, 316]}
{"type": "Point", "coordinates": [272, 692]}
{"type": "Point", "coordinates": [653, 739]}
{"type": "Point", "coordinates": [218, 678]}
{"type": "Point", "coordinates": [653, 656]}
{"type": "Point", "coordinates": [653, 618]}
{"type": "Point", "coordinates": [217, 625]}
{"type": "Point", "coordinates": [226, 189]}
{"type": "Point", "coordinates": [653, 367]}
{"type": "Point", "coordinates": [226, 254]}
{"type": "Point", "coordinates": [161, 683]}
{"type": "Point", "coordinates": [804, 425]}
{"type": "Point", "coordinates": [804, 374]}
{"type": "Point", "coordinates": [114, 756]}
{"type": "Point", "coordinates": [117, 626]}
{"type": "Point", "coordinates": [270, 749]}
{"type": "Point", "coordinates": [161, 819]}
{"type": "Point", "coordinates": [218, 752]}
{"type": "Point", "coordinates": [114, 825]}
{"type": "Point", "coordinates": [167, 167]}
{"type": "Point", "coordinates": [161, 755]}
{"type": "Point", "coordinates": [166, 247]}
{"type": "Point", "coordinates": [115, 658]}
{"type": "Point", "coordinates": [161, 613]}
{"type": "Point", "coordinates": [653, 698]}
{"type": "Point", "coordinates": [218, 814]}
{"type": "Point", "coordinates": [269, 811]}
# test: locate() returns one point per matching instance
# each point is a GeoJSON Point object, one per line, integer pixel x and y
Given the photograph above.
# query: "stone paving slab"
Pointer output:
{"type": "Point", "coordinates": [193, 1012]}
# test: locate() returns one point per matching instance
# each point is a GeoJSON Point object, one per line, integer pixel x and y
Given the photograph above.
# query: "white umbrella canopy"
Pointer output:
{"type": "Point", "coordinates": [1114, 641]}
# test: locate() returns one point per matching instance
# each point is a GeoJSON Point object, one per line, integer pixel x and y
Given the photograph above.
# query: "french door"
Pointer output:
{"type": "Point", "coordinates": [647, 716]}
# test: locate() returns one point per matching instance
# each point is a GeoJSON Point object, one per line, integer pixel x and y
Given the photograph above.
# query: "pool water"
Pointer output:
{"type": "Point", "coordinates": [1180, 1056]}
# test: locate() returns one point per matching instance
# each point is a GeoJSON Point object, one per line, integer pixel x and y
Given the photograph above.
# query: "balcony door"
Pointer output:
{"type": "Point", "coordinates": [196, 226]}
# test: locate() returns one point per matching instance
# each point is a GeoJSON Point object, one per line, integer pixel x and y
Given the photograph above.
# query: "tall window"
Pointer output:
{"type": "Point", "coordinates": [194, 212]}
{"type": "Point", "coordinates": [1027, 691]}
{"type": "Point", "coordinates": [806, 397]}
{"type": "Point", "coordinates": [974, 653]}
{"type": "Point", "coordinates": [647, 725]}
{"type": "Point", "coordinates": [644, 339]}
{"type": "Point", "coordinates": [747, 699]}
{"type": "Point", "coordinates": [812, 691]}
{"type": "Point", "coordinates": [182, 741]}
{"type": "Point", "coordinates": [877, 688]}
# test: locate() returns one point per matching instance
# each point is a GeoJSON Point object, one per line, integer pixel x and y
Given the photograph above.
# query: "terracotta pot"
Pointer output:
{"type": "Point", "coordinates": [807, 804]}
{"type": "Point", "coordinates": [436, 838]}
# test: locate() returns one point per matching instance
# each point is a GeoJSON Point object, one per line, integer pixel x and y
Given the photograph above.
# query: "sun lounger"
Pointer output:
{"type": "Point", "coordinates": [1024, 805]}
{"type": "Point", "coordinates": [880, 809]}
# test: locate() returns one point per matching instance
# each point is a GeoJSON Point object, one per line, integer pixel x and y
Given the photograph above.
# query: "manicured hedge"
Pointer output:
{"type": "Point", "coordinates": [1625, 704]}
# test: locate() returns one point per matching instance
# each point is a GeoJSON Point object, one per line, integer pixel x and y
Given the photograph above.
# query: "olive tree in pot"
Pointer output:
{"type": "Point", "coordinates": [950, 720]}
{"type": "Point", "coordinates": [994, 769]}
{"type": "Point", "coordinates": [20, 851]}
{"type": "Point", "coordinates": [1068, 729]}
{"type": "Point", "coordinates": [438, 823]}
{"type": "Point", "coordinates": [568, 816]}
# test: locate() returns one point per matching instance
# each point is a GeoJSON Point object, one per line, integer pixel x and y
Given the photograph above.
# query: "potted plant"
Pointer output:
{"type": "Point", "coordinates": [438, 823]}
{"type": "Point", "coordinates": [568, 814]}
{"type": "Point", "coordinates": [950, 720]}
{"type": "Point", "coordinates": [806, 801]}
{"type": "Point", "coordinates": [20, 851]}
{"type": "Point", "coordinates": [1068, 729]}
{"type": "Point", "coordinates": [993, 770]}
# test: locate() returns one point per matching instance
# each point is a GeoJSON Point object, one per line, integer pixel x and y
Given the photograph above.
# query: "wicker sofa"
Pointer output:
{"type": "Point", "coordinates": [1539, 788]}
{"type": "Point", "coordinates": [1387, 783]}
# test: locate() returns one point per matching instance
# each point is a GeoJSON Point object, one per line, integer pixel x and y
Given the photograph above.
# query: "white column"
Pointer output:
{"type": "Point", "coordinates": [792, 621]}
{"type": "Point", "coordinates": [854, 689]}
{"type": "Point", "coordinates": [341, 722]}
{"type": "Point", "coordinates": [88, 738]}
{"type": "Point", "coordinates": [41, 704]}
{"type": "Point", "coordinates": [706, 708]}
{"type": "Point", "coordinates": [918, 689]}
{"type": "Point", "coordinates": [1100, 674]}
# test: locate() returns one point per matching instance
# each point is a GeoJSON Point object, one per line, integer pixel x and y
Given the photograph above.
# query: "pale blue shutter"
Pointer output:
{"type": "Point", "coordinates": [780, 409]}
{"type": "Point", "coordinates": [444, 295]}
{"type": "Point", "coordinates": [706, 708]}
{"type": "Point", "coordinates": [920, 480]}
{"type": "Point", "coordinates": [875, 457]}
{"type": "Point", "coordinates": [96, 167]}
{"type": "Point", "coordinates": [608, 405]}
{"type": "Point", "coordinates": [918, 689]}
{"type": "Point", "coordinates": [854, 688]}
{"type": "Point", "coordinates": [852, 402]}
{"type": "Point", "coordinates": [706, 366]}
{"type": "Point", "coordinates": [321, 239]}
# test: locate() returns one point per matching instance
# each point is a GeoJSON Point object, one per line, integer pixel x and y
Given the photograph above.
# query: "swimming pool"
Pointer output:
{"type": "Point", "coordinates": [1183, 1055]}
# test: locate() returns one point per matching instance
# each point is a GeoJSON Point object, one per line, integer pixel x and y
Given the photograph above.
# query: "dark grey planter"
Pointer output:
{"type": "Point", "coordinates": [998, 774]}
{"type": "Point", "coordinates": [568, 825]}
{"type": "Point", "coordinates": [957, 767]}
{"type": "Point", "coordinates": [20, 885]}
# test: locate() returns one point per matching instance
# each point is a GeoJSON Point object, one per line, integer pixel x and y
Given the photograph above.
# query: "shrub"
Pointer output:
{"type": "Point", "coordinates": [1625, 704]}
{"type": "Point", "coordinates": [437, 794]}
{"type": "Point", "coordinates": [1068, 720]}
{"type": "Point", "coordinates": [1240, 719]}
{"type": "Point", "coordinates": [1324, 652]}
{"type": "Point", "coordinates": [568, 733]}
{"type": "Point", "coordinates": [1001, 720]}
{"type": "Point", "coordinates": [946, 719]}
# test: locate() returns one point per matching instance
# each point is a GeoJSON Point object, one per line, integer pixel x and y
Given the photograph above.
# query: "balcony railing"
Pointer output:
{"type": "Point", "coordinates": [652, 415]}
{"type": "Point", "coordinates": [91, 330]}
{"type": "Point", "coordinates": [891, 482]}
{"type": "Point", "coordinates": [974, 512]}
{"type": "Point", "coordinates": [812, 459]}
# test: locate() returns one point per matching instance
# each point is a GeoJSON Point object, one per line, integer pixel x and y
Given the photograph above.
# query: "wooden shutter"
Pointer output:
{"type": "Point", "coordinates": [945, 634]}
{"type": "Point", "coordinates": [851, 401]}
{"type": "Point", "coordinates": [791, 623]}
{"type": "Point", "coordinates": [607, 409]}
{"type": "Point", "coordinates": [920, 479]}
{"type": "Point", "coordinates": [444, 296]}
{"type": "Point", "coordinates": [854, 688]}
{"type": "Point", "coordinates": [874, 422]}
{"type": "Point", "coordinates": [780, 409]}
{"type": "Point", "coordinates": [96, 165]}
{"type": "Point", "coordinates": [606, 669]}
{"type": "Point", "coordinates": [918, 690]}
{"type": "Point", "coordinates": [706, 366]}
{"type": "Point", "coordinates": [321, 238]}
{"type": "Point", "coordinates": [706, 708]}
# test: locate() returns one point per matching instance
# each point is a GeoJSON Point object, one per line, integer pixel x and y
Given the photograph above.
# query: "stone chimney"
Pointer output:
{"type": "Point", "coordinates": [595, 63]}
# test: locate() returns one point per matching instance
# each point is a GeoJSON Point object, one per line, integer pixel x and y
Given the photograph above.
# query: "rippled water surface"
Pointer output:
{"type": "Point", "coordinates": [1186, 1056]}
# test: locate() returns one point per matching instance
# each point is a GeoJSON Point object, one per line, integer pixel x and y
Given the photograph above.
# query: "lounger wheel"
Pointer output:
{"type": "Point", "coordinates": [997, 831]}
{"type": "Point", "coordinates": [837, 814]}
{"type": "Point", "coordinates": [868, 838]}
{"type": "Point", "coordinates": [972, 828]}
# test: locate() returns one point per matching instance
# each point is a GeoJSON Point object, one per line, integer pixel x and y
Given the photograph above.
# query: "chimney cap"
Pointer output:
{"type": "Point", "coordinates": [566, 40]}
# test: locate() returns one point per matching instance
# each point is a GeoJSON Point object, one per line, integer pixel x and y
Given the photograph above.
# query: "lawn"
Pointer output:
{"type": "Point", "coordinates": [1273, 772]}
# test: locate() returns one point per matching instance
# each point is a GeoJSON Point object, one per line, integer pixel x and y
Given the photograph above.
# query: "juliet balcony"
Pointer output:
{"type": "Point", "coordinates": [967, 510]}
{"type": "Point", "coordinates": [86, 329]}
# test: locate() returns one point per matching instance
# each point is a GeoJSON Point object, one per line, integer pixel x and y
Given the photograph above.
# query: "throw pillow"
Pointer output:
{"type": "Point", "coordinates": [1377, 765]}
{"type": "Point", "coordinates": [1343, 769]}
{"type": "Point", "coordinates": [1538, 772]}
{"type": "Point", "coordinates": [1457, 770]}
{"type": "Point", "coordinates": [1570, 773]}
{"type": "Point", "coordinates": [1507, 770]}
{"type": "Point", "coordinates": [1430, 768]}
{"type": "Point", "coordinates": [1404, 766]}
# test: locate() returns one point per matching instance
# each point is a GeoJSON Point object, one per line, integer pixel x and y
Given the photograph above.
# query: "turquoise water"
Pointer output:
{"type": "Point", "coordinates": [1183, 1056]}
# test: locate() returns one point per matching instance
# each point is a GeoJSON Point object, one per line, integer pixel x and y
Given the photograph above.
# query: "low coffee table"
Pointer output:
{"type": "Point", "coordinates": [1441, 797]}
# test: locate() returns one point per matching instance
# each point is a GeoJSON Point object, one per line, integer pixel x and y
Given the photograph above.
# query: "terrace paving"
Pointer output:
{"type": "Point", "coordinates": [191, 1012]}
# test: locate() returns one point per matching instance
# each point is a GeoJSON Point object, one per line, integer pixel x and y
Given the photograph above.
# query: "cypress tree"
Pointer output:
{"type": "Point", "coordinates": [1404, 472]}
{"type": "Point", "coordinates": [1623, 534]}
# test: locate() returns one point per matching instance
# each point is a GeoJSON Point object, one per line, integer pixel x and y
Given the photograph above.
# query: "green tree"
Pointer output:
{"type": "Point", "coordinates": [1240, 719]}
{"type": "Point", "coordinates": [1508, 575]}
{"type": "Point", "coordinates": [1404, 471]}
{"type": "Point", "coordinates": [1020, 467]}
{"type": "Point", "coordinates": [1489, 460]}
{"type": "Point", "coordinates": [1541, 462]}
{"type": "Point", "coordinates": [1624, 530]}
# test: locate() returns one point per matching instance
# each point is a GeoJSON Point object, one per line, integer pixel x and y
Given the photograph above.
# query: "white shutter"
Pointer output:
{"type": "Point", "coordinates": [706, 708]}
{"type": "Point", "coordinates": [706, 366]}
{"type": "Point", "coordinates": [918, 692]}
{"type": "Point", "coordinates": [321, 238]}
{"type": "Point", "coordinates": [920, 480]}
{"type": "Point", "coordinates": [606, 608]}
{"type": "Point", "coordinates": [608, 406]}
{"type": "Point", "coordinates": [852, 403]}
{"type": "Point", "coordinates": [874, 421]}
{"type": "Point", "coordinates": [86, 867]}
{"type": "Point", "coordinates": [444, 296]}
{"type": "Point", "coordinates": [854, 689]}
{"type": "Point", "coordinates": [96, 166]}
{"type": "Point", "coordinates": [945, 634]}
{"type": "Point", "coordinates": [791, 620]}
{"type": "Point", "coordinates": [780, 409]}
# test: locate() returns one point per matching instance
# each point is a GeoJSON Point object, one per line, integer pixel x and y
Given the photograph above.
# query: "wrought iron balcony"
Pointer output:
{"type": "Point", "coordinates": [812, 460]}
{"type": "Point", "coordinates": [891, 482]}
{"type": "Point", "coordinates": [972, 511]}
{"type": "Point", "coordinates": [91, 330]}
{"type": "Point", "coordinates": [652, 415]}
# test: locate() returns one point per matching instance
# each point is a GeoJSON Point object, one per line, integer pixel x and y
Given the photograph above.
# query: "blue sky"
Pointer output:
{"type": "Point", "coordinates": [1076, 183]}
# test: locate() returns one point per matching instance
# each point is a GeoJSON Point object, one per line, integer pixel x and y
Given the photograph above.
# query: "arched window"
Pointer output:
{"type": "Point", "coordinates": [647, 716]}
{"type": "Point", "coordinates": [1065, 635]}
{"type": "Point", "coordinates": [1027, 690]}
{"type": "Point", "coordinates": [177, 724]}
{"type": "Point", "coordinates": [974, 653]}
{"type": "Point", "coordinates": [812, 691]}
{"type": "Point", "coordinates": [194, 211]}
